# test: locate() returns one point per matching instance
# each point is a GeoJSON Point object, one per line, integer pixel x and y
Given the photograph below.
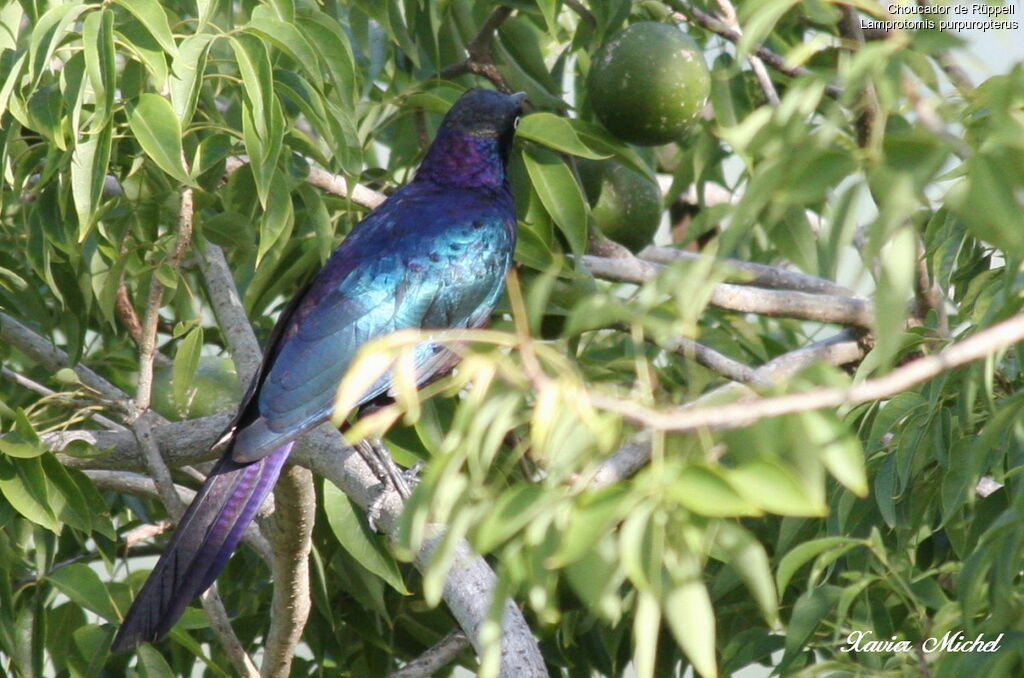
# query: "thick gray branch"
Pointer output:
{"type": "Point", "coordinates": [825, 308]}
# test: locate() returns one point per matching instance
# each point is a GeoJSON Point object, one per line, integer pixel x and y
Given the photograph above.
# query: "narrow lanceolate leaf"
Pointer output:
{"type": "Point", "coordinates": [88, 174]}
{"type": "Point", "coordinates": [98, 46]}
{"type": "Point", "coordinates": [257, 79]}
{"type": "Point", "coordinates": [334, 49]}
{"type": "Point", "coordinates": [560, 194]}
{"type": "Point", "coordinates": [746, 555]}
{"type": "Point", "coordinates": [278, 218]}
{"type": "Point", "coordinates": [557, 133]}
{"type": "Point", "coordinates": [692, 622]}
{"type": "Point", "coordinates": [287, 38]}
{"type": "Point", "coordinates": [152, 16]}
{"type": "Point", "coordinates": [187, 75]}
{"type": "Point", "coordinates": [355, 537]}
{"type": "Point", "coordinates": [47, 35]}
{"type": "Point", "coordinates": [158, 131]}
{"type": "Point", "coordinates": [186, 362]}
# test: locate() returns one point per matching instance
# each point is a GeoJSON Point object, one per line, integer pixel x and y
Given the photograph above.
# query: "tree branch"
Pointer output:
{"type": "Point", "coordinates": [981, 345]}
{"type": "Point", "coordinates": [438, 656]}
{"type": "Point", "coordinates": [480, 61]}
{"type": "Point", "coordinates": [291, 532]}
{"type": "Point", "coordinates": [752, 273]}
{"type": "Point", "coordinates": [840, 349]}
{"type": "Point", "coordinates": [60, 398]}
{"type": "Point", "coordinates": [789, 304]}
{"type": "Point", "coordinates": [324, 180]}
{"type": "Point", "coordinates": [756, 64]}
{"type": "Point", "coordinates": [43, 352]}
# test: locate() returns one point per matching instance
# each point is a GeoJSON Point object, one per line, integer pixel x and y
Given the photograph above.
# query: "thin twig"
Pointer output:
{"type": "Point", "coordinates": [322, 179]}
{"type": "Point", "coordinates": [43, 352]}
{"type": "Point", "coordinates": [957, 75]}
{"type": "Point", "coordinates": [756, 63]}
{"type": "Point", "coordinates": [927, 295]}
{"type": "Point", "coordinates": [230, 313]}
{"type": "Point", "coordinates": [480, 61]}
{"type": "Point", "coordinates": [870, 122]}
{"type": "Point", "coordinates": [714, 361]}
{"type": "Point", "coordinates": [840, 349]}
{"type": "Point", "coordinates": [582, 11]}
{"type": "Point", "coordinates": [983, 344]}
{"type": "Point", "coordinates": [696, 17]}
{"type": "Point", "coordinates": [61, 398]}
{"type": "Point", "coordinates": [139, 485]}
{"type": "Point", "coordinates": [435, 658]}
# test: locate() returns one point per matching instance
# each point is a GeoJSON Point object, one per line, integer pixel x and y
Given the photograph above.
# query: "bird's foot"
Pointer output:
{"type": "Point", "coordinates": [392, 476]}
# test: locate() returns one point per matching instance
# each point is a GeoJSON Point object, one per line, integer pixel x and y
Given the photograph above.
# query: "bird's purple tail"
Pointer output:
{"type": "Point", "coordinates": [204, 539]}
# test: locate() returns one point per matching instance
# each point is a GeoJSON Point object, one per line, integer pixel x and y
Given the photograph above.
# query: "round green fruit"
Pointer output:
{"type": "Point", "coordinates": [625, 205]}
{"type": "Point", "coordinates": [214, 389]}
{"type": "Point", "coordinates": [648, 84]}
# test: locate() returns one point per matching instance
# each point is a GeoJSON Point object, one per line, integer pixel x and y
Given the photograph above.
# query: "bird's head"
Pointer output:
{"type": "Point", "coordinates": [475, 138]}
{"type": "Point", "coordinates": [486, 114]}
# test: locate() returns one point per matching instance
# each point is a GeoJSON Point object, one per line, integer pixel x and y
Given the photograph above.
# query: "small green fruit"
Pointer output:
{"type": "Point", "coordinates": [625, 204]}
{"type": "Point", "coordinates": [649, 84]}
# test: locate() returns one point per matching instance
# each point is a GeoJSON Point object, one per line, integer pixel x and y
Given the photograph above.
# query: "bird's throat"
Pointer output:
{"type": "Point", "coordinates": [460, 159]}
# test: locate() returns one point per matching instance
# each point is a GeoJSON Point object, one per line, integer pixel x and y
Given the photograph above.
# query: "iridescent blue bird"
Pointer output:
{"type": "Point", "coordinates": [433, 256]}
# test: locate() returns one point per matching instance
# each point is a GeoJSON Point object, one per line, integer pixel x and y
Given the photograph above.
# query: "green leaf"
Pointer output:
{"type": "Point", "coordinates": [90, 649]}
{"type": "Point", "coordinates": [80, 583]}
{"type": "Point", "coordinates": [152, 664]}
{"type": "Point", "coordinates": [257, 78]}
{"type": "Point", "coordinates": [47, 34]}
{"type": "Point", "coordinates": [66, 499]}
{"type": "Point", "coordinates": [88, 175]}
{"type": "Point", "coordinates": [22, 442]}
{"type": "Point", "coordinates": [840, 451]}
{"type": "Point", "coordinates": [646, 624]}
{"type": "Point", "coordinates": [335, 50]}
{"type": "Point", "coordinates": [691, 619]}
{"type": "Point", "coordinates": [515, 508]}
{"type": "Point", "coordinates": [704, 491]}
{"type": "Point", "coordinates": [100, 63]}
{"type": "Point", "coordinates": [775, 488]}
{"type": "Point", "coordinates": [355, 537]}
{"type": "Point", "coordinates": [803, 553]}
{"type": "Point", "coordinates": [23, 485]}
{"type": "Point", "coordinates": [151, 15]}
{"type": "Point", "coordinates": [809, 611]}
{"type": "Point", "coordinates": [186, 362]}
{"type": "Point", "coordinates": [155, 125]}
{"type": "Point", "coordinates": [555, 132]}
{"type": "Point", "coordinates": [560, 194]}
{"type": "Point", "coordinates": [187, 75]}
{"type": "Point", "coordinates": [288, 39]}
{"type": "Point", "coordinates": [278, 218]}
{"type": "Point", "coordinates": [741, 551]}
{"type": "Point", "coordinates": [991, 198]}
{"type": "Point", "coordinates": [600, 140]}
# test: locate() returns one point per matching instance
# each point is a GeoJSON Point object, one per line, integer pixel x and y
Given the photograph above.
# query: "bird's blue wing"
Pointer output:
{"type": "Point", "coordinates": [424, 281]}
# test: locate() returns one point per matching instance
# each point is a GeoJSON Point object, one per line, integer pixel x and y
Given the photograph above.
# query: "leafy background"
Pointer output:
{"type": "Point", "coordinates": [882, 168]}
